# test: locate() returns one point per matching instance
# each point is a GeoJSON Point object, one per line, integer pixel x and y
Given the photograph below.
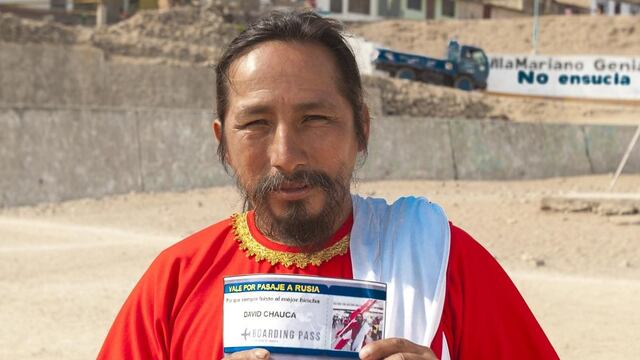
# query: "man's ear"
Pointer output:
{"type": "Point", "coordinates": [218, 133]}
{"type": "Point", "coordinates": [217, 129]}
{"type": "Point", "coordinates": [366, 125]}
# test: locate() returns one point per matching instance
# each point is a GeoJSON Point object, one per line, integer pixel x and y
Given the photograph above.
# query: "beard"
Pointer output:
{"type": "Point", "coordinates": [297, 227]}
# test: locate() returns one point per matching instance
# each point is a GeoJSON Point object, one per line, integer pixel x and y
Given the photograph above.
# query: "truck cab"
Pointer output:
{"type": "Point", "coordinates": [472, 64]}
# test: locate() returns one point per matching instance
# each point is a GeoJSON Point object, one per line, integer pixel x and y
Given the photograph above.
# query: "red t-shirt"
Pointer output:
{"type": "Point", "coordinates": [175, 310]}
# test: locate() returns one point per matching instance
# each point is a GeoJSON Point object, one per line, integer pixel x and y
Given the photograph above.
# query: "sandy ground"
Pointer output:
{"type": "Point", "coordinates": [65, 269]}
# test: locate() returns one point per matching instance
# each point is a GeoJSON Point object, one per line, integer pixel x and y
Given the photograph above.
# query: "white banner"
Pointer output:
{"type": "Point", "coordinates": [365, 52]}
{"type": "Point", "coordinates": [595, 77]}
{"type": "Point", "coordinates": [302, 316]}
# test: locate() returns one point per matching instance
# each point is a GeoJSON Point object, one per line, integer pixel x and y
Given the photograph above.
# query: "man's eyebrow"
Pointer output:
{"type": "Point", "coordinates": [314, 105]}
{"type": "Point", "coordinates": [252, 110]}
{"type": "Point", "coordinates": [261, 109]}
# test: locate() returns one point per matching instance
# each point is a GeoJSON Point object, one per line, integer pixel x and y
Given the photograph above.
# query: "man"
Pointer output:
{"type": "Point", "coordinates": [292, 125]}
{"type": "Point", "coordinates": [351, 330]}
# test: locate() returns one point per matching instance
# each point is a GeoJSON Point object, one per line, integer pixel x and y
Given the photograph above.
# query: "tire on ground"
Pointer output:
{"type": "Point", "coordinates": [463, 82]}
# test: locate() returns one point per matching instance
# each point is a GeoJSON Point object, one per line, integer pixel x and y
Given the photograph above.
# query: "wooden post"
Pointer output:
{"type": "Point", "coordinates": [633, 142]}
{"type": "Point", "coordinates": [101, 14]}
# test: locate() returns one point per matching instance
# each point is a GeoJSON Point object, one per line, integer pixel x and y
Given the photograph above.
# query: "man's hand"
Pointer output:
{"type": "Point", "coordinates": [396, 349]}
{"type": "Point", "coordinates": [253, 354]}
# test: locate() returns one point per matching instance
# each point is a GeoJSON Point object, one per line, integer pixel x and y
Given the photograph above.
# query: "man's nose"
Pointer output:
{"type": "Point", "coordinates": [287, 151]}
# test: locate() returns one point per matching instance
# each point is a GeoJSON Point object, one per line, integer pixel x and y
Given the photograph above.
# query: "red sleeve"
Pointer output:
{"type": "Point", "coordinates": [489, 318]}
{"type": "Point", "coordinates": [149, 325]}
{"type": "Point", "coordinates": [140, 331]}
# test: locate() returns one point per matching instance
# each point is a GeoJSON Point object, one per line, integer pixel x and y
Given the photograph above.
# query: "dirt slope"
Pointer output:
{"type": "Point", "coordinates": [599, 35]}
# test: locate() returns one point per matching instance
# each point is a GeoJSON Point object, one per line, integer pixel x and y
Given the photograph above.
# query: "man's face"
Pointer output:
{"type": "Point", "coordinates": [359, 318]}
{"type": "Point", "coordinates": [291, 140]}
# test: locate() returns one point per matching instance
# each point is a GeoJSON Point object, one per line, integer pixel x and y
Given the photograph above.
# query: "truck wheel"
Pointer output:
{"type": "Point", "coordinates": [406, 73]}
{"type": "Point", "coordinates": [463, 82]}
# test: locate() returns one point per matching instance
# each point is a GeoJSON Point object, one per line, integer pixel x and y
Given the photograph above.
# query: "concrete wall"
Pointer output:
{"type": "Point", "coordinates": [420, 148]}
{"type": "Point", "coordinates": [607, 143]}
{"type": "Point", "coordinates": [408, 148]}
{"type": "Point", "coordinates": [49, 155]}
{"type": "Point", "coordinates": [73, 124]}
{"type": "Point", "coordinates": [501, 150]}
{"type": "Point", "coordinates": [60, 76]}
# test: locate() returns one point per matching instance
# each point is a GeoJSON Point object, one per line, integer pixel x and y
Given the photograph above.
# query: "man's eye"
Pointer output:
{"type": "Point", "coordinates": [255, 123]}
{"type": "Point", "coordinates": [316, 118]}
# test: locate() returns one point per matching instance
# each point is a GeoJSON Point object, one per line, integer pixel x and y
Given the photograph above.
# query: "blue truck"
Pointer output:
{"type": "Point", "coordinates": [465, 68]}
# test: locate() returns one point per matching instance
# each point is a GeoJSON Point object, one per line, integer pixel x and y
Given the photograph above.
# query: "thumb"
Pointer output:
{"type": "Point", "coordinates": [253, 354]}
{"type": "Point", "coordinates": [260, 354]}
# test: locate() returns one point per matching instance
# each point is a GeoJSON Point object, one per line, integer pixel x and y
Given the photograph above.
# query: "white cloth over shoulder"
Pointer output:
{"type": "Point", "coordinates": [406, 245]}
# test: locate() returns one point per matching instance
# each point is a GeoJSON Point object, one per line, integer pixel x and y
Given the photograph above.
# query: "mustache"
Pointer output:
{"type": "Point", "coordinates": [273, 182]}
{"type": "Point", "coordinates": [297, 227]}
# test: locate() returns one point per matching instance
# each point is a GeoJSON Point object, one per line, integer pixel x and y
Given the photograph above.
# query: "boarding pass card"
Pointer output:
{"type": "Point", "coordinates": [296, 316]}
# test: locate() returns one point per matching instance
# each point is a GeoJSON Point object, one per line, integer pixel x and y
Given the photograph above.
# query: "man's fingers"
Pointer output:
{"type": "Point", "coordinates": [253, 354]}
{"type": "Point", "coordinates": [383, 349]}
{"type": "Point", "coordinates": [412, 356]}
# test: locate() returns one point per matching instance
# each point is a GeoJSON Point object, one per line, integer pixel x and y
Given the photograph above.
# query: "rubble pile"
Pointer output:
{"type": "Point", "coordinates": [20, 30]}
{"type": "Point", "coordinates": [403, 97]}
{"type": "Point", "coordinates": [182, 35]}
{"type": "Point", "coordinates": [189, 35]}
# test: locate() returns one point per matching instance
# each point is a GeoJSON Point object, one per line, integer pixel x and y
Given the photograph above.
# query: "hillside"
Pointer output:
{"type": "Point", "coordinates": [559, 35]}
{"type": "Point", "coordinates": [188, 36]}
